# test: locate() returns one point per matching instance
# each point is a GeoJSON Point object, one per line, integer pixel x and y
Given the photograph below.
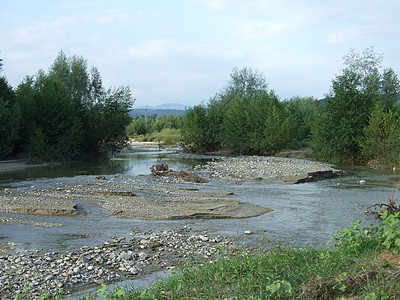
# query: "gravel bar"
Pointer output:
{"type": "Point", "coordinates": [34, 273]}
{"type": "Point", "coordinates": [247, 168]}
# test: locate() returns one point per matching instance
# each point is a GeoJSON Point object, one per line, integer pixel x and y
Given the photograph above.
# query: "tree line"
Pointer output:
{"type": "Point", "coordinates": [63, 114]}
{"type": "Point", "coordinates": [66, 114]}
{"type": "Point", "coordinates": [357, 121]}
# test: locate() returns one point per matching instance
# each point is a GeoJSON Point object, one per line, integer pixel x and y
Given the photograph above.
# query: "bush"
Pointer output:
{"type": "Point", "coordinates": [168, 136]}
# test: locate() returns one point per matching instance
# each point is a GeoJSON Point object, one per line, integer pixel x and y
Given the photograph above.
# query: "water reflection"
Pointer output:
{"type": "Point", "coordinates": [137, 163]}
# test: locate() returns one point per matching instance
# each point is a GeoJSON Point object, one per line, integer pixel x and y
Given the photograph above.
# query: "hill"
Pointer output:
{"type": "Point", "coordinates": [140, 112]}
{"type": "Point", "coordinates": [160, 110]}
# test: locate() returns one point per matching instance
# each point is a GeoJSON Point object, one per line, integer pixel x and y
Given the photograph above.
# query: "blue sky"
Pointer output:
{"type": "Point", "coordinates": [182, 51]}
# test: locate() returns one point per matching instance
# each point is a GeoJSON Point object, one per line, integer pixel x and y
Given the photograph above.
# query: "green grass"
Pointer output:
{"type": "Point", "coordinates": [282, 273]}
{"type": "Point", "coordinates": [167, 136]}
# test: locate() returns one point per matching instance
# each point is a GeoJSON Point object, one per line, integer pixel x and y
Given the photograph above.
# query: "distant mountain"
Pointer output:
{"type": "Point", "coordinates": [160, 110]}
{"type": "Point", "coordinates": [174, 106]}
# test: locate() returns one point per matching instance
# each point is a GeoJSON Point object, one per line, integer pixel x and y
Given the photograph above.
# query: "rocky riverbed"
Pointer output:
{"type": "Point", "coordinates": [34, 272]}
{"type": "Point", "coordinates": [291, 170]}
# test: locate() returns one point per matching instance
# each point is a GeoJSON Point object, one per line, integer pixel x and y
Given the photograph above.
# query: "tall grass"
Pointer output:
{"type": "Point", "coordinates": [167, 136]}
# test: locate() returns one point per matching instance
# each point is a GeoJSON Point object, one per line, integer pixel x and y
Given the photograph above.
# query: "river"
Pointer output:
{"type": "Point", "coordinates": [303, 214]}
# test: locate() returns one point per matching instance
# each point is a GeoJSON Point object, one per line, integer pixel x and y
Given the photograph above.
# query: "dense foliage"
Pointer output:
{"type": "Point", "coordinates": [245, 118]}
{"type": "Point", "coordinates": [63, 114]}
{"type": "Point", "coordinates": [10, 119]}
{"type": "Point", "coordinates": [347, 124]}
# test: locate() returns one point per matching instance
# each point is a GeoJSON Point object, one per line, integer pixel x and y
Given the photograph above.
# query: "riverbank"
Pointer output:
{"type": "Point", "coordinates": [19, 164]}
{"type": "Point", "coordinates": [116, 260]}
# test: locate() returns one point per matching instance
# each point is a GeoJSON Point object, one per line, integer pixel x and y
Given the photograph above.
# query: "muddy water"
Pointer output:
{"type": "Point", "coordinates": [303, 214]}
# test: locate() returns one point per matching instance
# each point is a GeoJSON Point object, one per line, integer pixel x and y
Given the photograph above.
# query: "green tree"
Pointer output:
{"type": "Point", "coordinates": [69, 115]}
{"type": "Point", "coordinates": [340, 121]}
{"type": "Point", "coordinates": [300, 112]}
{"type": "Point", "coordinates": [209, 123]}
{"type": "Point", "coordinates": [137, 127]}
{"type": "Point", "coordinates": [238, 127]}
{"type": "Point", "coordinates": [381, 140]}
{"type": "Point", "coordinates": [54, 131]}
{"type": "Point", "coordinates": [195, 129]}
{"type": "Point", "coordinates": [245, 82]}
{"type": "Point", "coordinates": [10, 119]}
{"type": "Point", "coordinates": [274, 130]}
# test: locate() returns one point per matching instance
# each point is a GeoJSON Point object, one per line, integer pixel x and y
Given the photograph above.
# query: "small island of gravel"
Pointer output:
{"type": "Point", "coordinates": [291, 170]}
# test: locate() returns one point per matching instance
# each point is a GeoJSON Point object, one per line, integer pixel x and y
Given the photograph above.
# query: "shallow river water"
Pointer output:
{"type": "Point", "coordinates": [303, 214]}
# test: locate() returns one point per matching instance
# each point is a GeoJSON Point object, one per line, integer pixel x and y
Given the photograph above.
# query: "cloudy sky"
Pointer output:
{"type": "Point", "coordinates": [182, 51]}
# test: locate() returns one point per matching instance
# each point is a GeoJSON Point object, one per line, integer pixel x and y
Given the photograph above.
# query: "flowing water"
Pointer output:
{"type": "Point", "coordinates": [303, 214]}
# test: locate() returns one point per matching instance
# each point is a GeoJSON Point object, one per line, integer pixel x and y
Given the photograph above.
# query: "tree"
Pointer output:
{"type": "Point", "coordinates": [238, 126]}
{"type": "Point", "coordinates": [108, 132]}
{"type": "Point", "coordinates": [210, 121]}
{"type": "Point", "coordinates": [195, 128]}
{"type": "Point", "coordinates": [10, 119]}
{"type": "Point", "coordinates": [54, 130]}
{"type": "Point", "coordinates": [300, 112]}
{"type": "Point", "coordinates": [137, 127]}
{"type": "Point", "coordinates": [245, 82]}
{"type": "Point", "coordinates": [273, 133]}
{"type": "Point", "coordinates": [340, 122]}
{"type": "Point", "coordinates": [381, 140]}
{"type": "Point", "coordinates": [69, 115]}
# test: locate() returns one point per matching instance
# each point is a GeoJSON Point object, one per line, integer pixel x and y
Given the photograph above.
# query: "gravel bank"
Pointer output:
{"type": "Point", "coordinates": [247, 168]}
{"type": "Point", "coordinates": [126, 199]}
{"type": "Point", "coordinates": [115, 260]}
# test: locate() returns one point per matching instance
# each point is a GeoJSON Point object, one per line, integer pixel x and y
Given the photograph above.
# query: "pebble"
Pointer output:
{"type": "Point", "coordinates": [36, 272]}
{"type": "Point", "coordinates": [244, 168]}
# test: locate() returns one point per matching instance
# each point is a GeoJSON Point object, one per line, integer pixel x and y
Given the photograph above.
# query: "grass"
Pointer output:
{"type": "Point", "coordinates": [284, 273]}
{"type": "Point", "coordinates": [167, 136]}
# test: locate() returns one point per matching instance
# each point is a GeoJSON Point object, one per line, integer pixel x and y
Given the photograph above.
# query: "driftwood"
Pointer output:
{"type": "Point", "coordinates": [162, 169]}
{"type": "Point", "coordinates": [390, 207]}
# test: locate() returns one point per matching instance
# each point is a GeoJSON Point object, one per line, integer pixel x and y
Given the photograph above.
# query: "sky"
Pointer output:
{"type": "Point", "coordinates": [183, 51]}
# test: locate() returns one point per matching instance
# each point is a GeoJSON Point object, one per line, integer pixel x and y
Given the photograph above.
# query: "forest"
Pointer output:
{"type": "Point", "coordinates": [66, 114]}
